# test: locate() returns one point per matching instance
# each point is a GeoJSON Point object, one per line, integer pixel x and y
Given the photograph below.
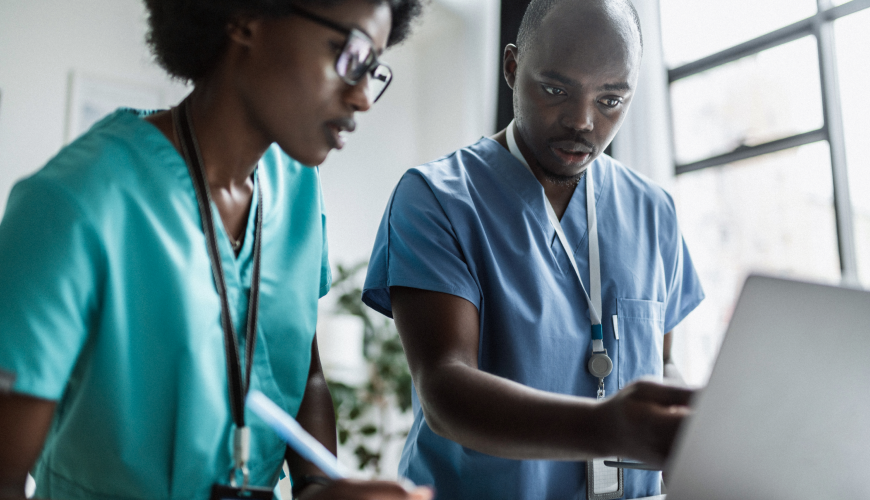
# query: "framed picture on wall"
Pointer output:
{"type": "Point", "coordinates": [90, 98]}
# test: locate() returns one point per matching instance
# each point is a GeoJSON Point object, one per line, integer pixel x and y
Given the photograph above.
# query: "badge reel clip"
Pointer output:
{"type": "Point", "coordinates": [603, 483]}
{"type": "Point", "coordinates": [241, 455]}
{"type": "Point", "coordinates": [600, 365]}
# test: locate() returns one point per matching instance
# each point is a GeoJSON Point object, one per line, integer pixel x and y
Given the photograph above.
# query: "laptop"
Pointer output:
{"type": "Point", "coordinates": [786, 413]}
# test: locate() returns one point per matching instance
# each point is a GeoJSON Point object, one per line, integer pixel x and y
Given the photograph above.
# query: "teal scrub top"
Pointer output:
{"type": "Point", "coordinates": [108, 306]}
{"type": "Point", "coordinates": [474, 224]}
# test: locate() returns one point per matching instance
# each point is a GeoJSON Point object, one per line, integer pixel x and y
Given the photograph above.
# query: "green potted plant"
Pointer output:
{"type": "Point", "coordinates": [366, 413]}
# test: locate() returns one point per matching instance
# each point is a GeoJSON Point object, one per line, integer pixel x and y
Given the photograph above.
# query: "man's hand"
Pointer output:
{"type": "Point", "coordinates": [645, 418]}
{"type": "Point", "coordinates": [349, 489]}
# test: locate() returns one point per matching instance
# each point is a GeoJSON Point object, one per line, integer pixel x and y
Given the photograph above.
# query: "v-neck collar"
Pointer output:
{"type": "Point", "coordinates": [228, 256]}
{"type": "Point", "coordinates": [531, 192]}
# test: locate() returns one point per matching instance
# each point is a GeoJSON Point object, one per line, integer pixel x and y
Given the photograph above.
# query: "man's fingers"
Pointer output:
{"type": "Point", "coordinates": [666, 421]}
{"type": "Point", "coordinates": [665, 395]}
{"type": "Point", "coordinates": [668, 417]}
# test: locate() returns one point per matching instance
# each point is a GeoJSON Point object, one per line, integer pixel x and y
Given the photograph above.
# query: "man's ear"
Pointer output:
{"type": "Point", "coordinates": [510, 64]}
{"type": "Point", "coordinates": [242, 30]}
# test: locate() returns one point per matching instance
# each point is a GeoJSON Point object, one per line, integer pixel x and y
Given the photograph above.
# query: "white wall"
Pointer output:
{"type": "Point", "coordinates": [41, 42]}
{"type": "Point", "coordinates": [443, 96]}
{"type": "Point", "coordinates": [644, 142]}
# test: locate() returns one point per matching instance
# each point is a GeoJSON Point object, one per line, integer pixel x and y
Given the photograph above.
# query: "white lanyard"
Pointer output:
{"type": "Point", "coordinates": [602, 482]}
{"type": "Point", "coordinates": [594, 257]}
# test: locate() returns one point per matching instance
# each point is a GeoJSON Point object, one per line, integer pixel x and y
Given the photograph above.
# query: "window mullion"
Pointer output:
{"type": "Point", "coordinates": [831, 103]}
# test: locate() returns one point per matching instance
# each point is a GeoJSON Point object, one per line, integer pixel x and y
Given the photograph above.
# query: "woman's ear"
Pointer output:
{"type": "Point", "coordinates": [242, 30]}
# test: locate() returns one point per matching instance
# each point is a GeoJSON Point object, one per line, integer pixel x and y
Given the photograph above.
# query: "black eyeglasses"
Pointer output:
{"type": "Point", "coordinates": [357, 58]}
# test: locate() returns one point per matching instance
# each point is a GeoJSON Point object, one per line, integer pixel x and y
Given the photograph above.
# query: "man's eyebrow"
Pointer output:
{"type": "Point", "coordinates": [559, 77]}
{"type": "Point", "coordinates": [570, 82]}
{"type": "Point", "coordinates": [613, 87]}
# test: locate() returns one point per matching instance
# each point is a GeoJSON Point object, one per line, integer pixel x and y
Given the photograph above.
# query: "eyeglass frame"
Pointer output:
{"type": "Point", "coordinates": [350, 32]}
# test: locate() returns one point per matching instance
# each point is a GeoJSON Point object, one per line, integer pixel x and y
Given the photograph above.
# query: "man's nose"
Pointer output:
{"type": "Point", "coordinates": [580, 117]}
{"type": "Point", "coordinates": [359, 96]}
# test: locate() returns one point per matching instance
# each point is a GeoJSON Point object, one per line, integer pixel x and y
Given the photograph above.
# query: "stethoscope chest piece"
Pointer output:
{"type": "Point", "coordinates": [600, 365]}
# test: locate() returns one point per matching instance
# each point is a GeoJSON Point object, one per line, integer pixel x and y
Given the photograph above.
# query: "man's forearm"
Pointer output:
{"type": "Point", "coordinates": [669, 369]}
{"type": "Point", "coordinates": [493, 415]}
{"type": "Point", "coordinates": [672, 373]}
{"type": "Point", "coordinates": [500, 417]}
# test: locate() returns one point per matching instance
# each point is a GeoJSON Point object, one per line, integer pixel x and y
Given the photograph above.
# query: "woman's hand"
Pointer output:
{"type": "Point", "coordinates": [350, 489]}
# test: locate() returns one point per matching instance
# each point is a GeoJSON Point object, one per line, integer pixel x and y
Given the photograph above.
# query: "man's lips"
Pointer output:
{"type": "Point", "coordinates": [573, 147]}
{"type": "Point", "coordinates": [338, 129]}
{"type": "Point", "coordinates": [569, 157]}
{"type": "Point", "coordinates": [572, 152]}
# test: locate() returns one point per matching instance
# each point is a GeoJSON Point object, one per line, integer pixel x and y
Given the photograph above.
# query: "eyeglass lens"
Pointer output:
{"type": "Point", "coordinates": [357, 59]}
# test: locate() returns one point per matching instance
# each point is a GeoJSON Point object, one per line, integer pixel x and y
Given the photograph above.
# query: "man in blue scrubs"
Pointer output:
{"type": "Point", "coordinates": [494, 320]}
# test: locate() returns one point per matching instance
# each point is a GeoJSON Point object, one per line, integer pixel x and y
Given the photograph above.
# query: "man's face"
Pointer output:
{"type": "Point", "coordinates": [572, 87]}
{"type": "Point", "coordinates": [290, 85]}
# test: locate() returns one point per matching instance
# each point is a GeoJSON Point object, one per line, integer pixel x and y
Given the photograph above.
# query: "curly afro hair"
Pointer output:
{"type": "Point", "coordinates": [188, 37]}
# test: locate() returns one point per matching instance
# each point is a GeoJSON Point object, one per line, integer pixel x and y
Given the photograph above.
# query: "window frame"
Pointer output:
{"type": "Point", "coordinates": [821, 26]}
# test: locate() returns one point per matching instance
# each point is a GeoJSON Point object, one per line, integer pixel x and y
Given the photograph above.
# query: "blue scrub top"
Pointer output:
{"type": "Point", "coordinates": [474, 224]}
{"type": "Point", "coordinates": [108, 306]}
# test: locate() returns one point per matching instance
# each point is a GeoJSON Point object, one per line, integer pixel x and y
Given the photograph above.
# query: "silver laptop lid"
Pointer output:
{"type": "Point", "coordinates": [786, 414]}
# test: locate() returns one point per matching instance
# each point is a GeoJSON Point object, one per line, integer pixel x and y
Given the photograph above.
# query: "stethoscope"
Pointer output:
{"type": "Point", "coordinates": [600, 365]}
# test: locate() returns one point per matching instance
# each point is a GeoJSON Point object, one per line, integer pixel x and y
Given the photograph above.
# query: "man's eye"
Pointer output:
{"type": "Point", "coordinates": [553, 90]}
{"type": "Point", "coordinates": [611, 102]}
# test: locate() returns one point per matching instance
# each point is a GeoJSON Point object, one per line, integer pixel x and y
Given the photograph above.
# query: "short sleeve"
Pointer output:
{"type": "Point", "coordinates": [49, 255]}
{"type": "Point", "coordinates": [325, 269]}
{"type": "Point", "coordinates": [685, 291]}
{"type": "Point", "coordinates": [417, 247]}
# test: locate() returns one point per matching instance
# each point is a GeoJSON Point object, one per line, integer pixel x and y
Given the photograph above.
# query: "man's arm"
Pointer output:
{"type": "Point", "coordinates": [24, 424]}
{"type": "Point", "coordinates": [493, 415]}
{"type": "Point", "coordinates": [670, 370]}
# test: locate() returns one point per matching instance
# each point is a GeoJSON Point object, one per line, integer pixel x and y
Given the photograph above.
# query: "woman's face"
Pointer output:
{"type": "Point", "coordinates": [286, 77]}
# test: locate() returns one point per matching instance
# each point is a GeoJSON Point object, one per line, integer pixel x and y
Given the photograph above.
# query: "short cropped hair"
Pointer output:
{"type": "Point", "coordinates": [538, 10]}
{"type": "Point", "coordinates": [189, 37]}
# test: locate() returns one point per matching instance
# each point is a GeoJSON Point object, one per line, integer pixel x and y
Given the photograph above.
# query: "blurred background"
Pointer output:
{"type": "Point", "coordinates": [752, 113]}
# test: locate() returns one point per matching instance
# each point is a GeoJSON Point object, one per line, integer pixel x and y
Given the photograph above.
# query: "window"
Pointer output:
{"type": "Point", "coordinates": [853, 38]}
{"type": "Point", "coordinates": [769, 112]}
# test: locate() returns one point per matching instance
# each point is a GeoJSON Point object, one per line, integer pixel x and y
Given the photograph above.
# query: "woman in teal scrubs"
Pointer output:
{"type": "Point", "coordinates": [113, 367]}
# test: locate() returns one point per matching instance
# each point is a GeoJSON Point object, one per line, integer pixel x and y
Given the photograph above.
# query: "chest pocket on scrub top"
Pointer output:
{"type": "Point", "coordinates": [641, 339]}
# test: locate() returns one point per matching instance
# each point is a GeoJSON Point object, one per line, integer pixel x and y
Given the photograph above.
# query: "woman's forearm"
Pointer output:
{"type": "Point", "coordinates": [316, 415]}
